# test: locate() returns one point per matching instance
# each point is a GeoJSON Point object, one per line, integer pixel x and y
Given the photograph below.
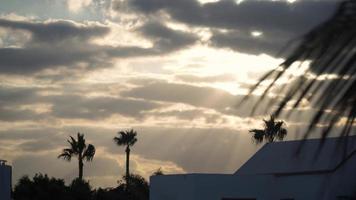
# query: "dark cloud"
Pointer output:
{"type": "Point", "coordinates": [57, 31]}
{"type": "Point", "coordinates": [68, 106]}
{"type": "Point", "coordinates": [166, 39]}
{"type": "Point", "coordinates": [17, 95]}
{"type": "Point", "coordinates": [52, 44]}
{"type": "Point", "coordinates": [28, 134]}
{"type": "Point", "coordinates": [245, 42]}
{"type": "Point", "coordinates": [98, 107]}
{"type": "Point", "coordinates": [29, 60]}
{"type": "Point", "coordinates": [278, 20]}
{"type": "Point", "coordinates": [13, 114]}
{"type": "Point", "coordinates": [67, 44]}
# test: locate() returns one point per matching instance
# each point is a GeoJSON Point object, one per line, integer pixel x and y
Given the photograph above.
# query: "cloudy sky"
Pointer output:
{"type": "Point", "coordinates": [174, 70]}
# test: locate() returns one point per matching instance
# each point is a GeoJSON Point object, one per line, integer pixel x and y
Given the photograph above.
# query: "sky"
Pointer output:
{"type": "Point", "coordinates": [173, 70]}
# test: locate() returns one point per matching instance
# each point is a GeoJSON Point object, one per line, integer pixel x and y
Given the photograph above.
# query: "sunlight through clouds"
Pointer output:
{"type": "Point", "coordinates": [76, 5]}
{"type": "Point", "coordinates": [172, 70]}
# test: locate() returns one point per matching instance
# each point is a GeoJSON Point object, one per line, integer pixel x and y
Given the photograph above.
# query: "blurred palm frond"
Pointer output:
{"type": "Point", "coordinates": [329, 49]}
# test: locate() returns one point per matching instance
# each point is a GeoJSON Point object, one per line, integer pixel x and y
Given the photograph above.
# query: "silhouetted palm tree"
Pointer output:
{"type": "Point", "coordinates": [158, 172]}
{"type": "Point", "coordinates": [272, 130]}
{"type": "Point", "coordinates": [126, 138]}
{"type": "Point", "coordinates": [79, 149]}
{"type": "Point", "coordinates": [330, 49]}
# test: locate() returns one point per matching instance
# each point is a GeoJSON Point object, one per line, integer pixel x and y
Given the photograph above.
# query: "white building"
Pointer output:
{"type": "Point", "coordinates": [275, 172]}
{"type": "Point", "coordinates": [5, 181]}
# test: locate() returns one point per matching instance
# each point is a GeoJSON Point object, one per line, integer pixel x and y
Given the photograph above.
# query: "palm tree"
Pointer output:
{"type": "Point", "coordinates": [79, 149]}
{"type": "Point", "coordinates": [330, 49]}
{"type": "Point", "coordinates": [158, 172]}
{"type": "Point", "coordinates": [272, 130]}
{"type": "Point", "coordinates": [126, 138]}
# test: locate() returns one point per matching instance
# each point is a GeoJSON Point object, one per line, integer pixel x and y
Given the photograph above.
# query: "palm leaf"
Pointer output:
{"type": "Point", "coordinates": [331, 49]}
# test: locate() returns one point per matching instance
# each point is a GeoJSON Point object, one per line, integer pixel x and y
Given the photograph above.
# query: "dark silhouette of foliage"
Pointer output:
{"type": "Point", "coordinates": [79, 149]}
{"type": "Point", "coordinates": [330, 49]}
{"type": "Point", "coordinates": [273, 130]}
{"type": "Point", "coordinates": [158, 172]}
{"type": "Point", "coordinates": [80, 189]}
{"type": "Point", "coordinates": [126, 138]}
{"type": "Point", "coordinates": [41, 187]}
{"type": "Point", "coordinates": [139, 188]}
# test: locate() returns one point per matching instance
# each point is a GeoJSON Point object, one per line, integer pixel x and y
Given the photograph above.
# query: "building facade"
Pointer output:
{"type": "Point", "coordinates": [5, 181]}
{"type": "Point", "coordinates": [278, 171]}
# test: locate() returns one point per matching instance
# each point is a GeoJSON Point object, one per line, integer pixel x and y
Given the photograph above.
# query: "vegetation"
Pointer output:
{"type": "Point", "coordinates": [158, 172]}
{"type": "Point", "coordinates": [79, 149]}
{"type": "Point", "coordinates": [126, 138]}
{"type": "Point", "coordinates": [273, 130]}
{"type": "Point", "coordinates": [330, 50]}
{"type": "Point", "coordinates": [41, 187]}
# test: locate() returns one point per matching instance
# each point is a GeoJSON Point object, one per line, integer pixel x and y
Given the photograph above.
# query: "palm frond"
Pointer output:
{"type": "Point", "coordinates": [258, 135]}
{"type": "Point", "coordinates": [89, 153]}
{"type": "Point", "coordinates": [126, 138]}
{"type": "Point", "coordinates": [65, 156]}
{"type": "Point", "coordinates": [272, 130]}
{"type": "Point", "coordinates": [330, 49]}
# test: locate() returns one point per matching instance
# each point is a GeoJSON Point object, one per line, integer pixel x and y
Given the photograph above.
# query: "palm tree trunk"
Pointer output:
{"type": "Point", "coordinates": [127, 165]}
{"type": "Point", "coordinates": [80, 168]}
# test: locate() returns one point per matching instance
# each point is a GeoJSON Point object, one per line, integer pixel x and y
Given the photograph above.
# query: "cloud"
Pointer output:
{"type": "Point", "coordinates": [68, 44]}
{"type": "Point", "coordinates": [206, 79]}
{"type": "Point", "coordinates": [77, 5]}
{"type": "Point", "coordinates": [11, 114]}
{"type": "Point", "coordinates": [204, 97]}
{"type": "Point", "coordinates": [167, 39]}
{"type": "Point", "coordinates": [57, 31]}
{"type": "Point", "coordinates": [277, 20]}
{"type": "Point", "coordinates": [17, 95]}
{"type": "Point", "coordinates": [164, 40]}
{"type": "Point", "coordinates": [98, 107]}
{"type": "Point", "coordinates": [18, 104]}
{"type": "Point", "coordinates": [52, 44]}
{"type": "Point", "coordinates": [267, 43]}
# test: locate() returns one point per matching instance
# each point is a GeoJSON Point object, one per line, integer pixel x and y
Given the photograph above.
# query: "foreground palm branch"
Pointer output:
{"type": "Point", "coordinates": [331, 50]}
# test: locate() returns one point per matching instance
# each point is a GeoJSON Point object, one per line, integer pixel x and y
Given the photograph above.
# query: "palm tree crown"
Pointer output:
{"type": "Point", "coordinates": [272, 130]}
{"type": "Point", "coordinates": [79, 149]}
{"type": "Point", "coordinates": [126, 138]}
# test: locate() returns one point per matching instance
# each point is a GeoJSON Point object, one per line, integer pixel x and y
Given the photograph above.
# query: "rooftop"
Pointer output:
{"type": "Point", "coordinates": [283, 158]}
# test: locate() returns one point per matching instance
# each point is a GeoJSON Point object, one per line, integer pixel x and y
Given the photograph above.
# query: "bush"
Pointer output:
{"type": "Point", "coordinates": [41, 187]}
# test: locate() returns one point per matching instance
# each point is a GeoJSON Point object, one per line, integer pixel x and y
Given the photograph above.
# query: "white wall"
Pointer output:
{"type": "Point", "coordinates": [5, 182]}
{"type": "Point", "coordinates": [262, 187]}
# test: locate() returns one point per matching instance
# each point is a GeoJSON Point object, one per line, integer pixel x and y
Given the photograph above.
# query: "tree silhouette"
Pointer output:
{"type": "Point", "coordinates": [80, 190]}
{"type": "Point", "coordinates": [40, 187]}
{"type": "Point", "coordinates": [272, 130]}
{"type": "Point", "coordinates": [79, 149]}
{"type": "Point", "coordinates": [330, 49]}
{"type": "Point", "coordinates": [126, 138]}
{"type": "Point", "coordinates": [158, 172]}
